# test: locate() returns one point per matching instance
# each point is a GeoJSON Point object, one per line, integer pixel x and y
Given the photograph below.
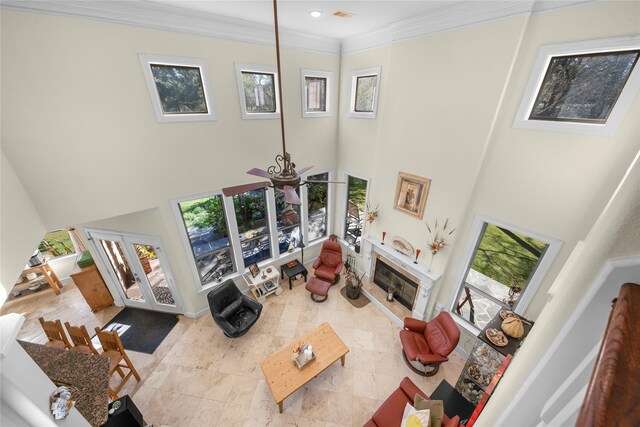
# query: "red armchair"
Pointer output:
{"type": "Point", "coordinates": [329, 264]}
{"type": "Point", "coordinates": [425, 345]}
{"type": "Point", "coordinates": [389, 414]}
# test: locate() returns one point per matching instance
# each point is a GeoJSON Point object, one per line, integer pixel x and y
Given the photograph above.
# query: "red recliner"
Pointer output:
{"type": "Point", "coordinates": [425, 345]}
{"type": "Point", "coordinates": [389, 414]}
{"type": "Point", "coordinates": [329, 264]}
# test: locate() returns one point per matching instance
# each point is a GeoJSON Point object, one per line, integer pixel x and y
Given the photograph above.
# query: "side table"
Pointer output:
{"type": "Point", "coordinates": [454, 402]}
{"type": "Point", "coordinates": [293, 269]}
{"type": "Point", "coordinates": [265, 283]}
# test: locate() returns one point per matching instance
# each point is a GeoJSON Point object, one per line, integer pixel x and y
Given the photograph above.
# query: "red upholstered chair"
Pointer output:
{"type": "Point", "coordinates": [389, 414]}
{"type": "Point", "coordinates": [329, 264]}
{"type": "Point", "coordinates": [425, 345]}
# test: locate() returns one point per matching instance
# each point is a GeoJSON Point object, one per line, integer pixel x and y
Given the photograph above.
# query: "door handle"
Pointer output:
{"type": "Point", "coordinates": [135, 275]}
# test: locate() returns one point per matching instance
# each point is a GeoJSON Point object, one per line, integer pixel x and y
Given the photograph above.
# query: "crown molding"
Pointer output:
{"type": "Point", "coordinates": [165, 17]}
{"type": "Point", "coordinates": [450, 17]}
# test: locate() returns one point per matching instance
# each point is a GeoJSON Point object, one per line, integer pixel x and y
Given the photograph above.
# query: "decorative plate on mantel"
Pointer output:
{"type": "Point", "coordinates": [402, 246]}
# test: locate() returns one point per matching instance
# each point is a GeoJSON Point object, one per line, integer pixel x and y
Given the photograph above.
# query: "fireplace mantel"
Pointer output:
{"type": "Point", "coordinates": [426, 277]}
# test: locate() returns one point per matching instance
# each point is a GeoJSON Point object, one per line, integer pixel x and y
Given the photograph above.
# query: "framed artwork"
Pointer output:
{"type": "Point", "coordinates": [411, 194]}
{"type": "Point", "coordinates": [254, 269]}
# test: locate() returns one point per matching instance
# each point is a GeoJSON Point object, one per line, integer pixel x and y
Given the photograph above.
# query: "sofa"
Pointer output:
{"type": "Point", "coordinates": [389, 414]}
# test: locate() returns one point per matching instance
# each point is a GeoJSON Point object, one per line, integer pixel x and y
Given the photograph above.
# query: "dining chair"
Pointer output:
{"type": "Point", "coordinates": [80, 339]}
{"type": "Point", "coordinates": [118, 359]}
{"type": "Point", "coordinates": [55, 334]}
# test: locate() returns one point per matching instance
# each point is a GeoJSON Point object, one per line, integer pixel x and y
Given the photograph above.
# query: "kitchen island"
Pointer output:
{"type": "Point", "coordinates": [87, 376]}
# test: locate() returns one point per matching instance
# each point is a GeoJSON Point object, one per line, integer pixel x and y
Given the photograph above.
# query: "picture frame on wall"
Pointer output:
{"type": "Point", "coordinates": [254, 269]}
{"type": "Point", "coordinates": [411, 194]}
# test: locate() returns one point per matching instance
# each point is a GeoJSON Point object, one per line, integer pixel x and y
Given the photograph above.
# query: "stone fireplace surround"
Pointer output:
{"type": "Point", "coordinates": [373, 249]}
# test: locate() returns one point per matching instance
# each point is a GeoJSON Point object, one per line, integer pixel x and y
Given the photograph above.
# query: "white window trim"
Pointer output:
{"type": "Point", "coordinates": [523, 302]}
{"type": "Point", "coordinates": [187, 244]}
{"type": "Point", "coordinates": [343, 217]}
{"type": "Point", "coordinates": [352, 97]}
{"type": "Point", "coordinates": [329, 79]}
{"type": "Point", "coordinates": [257, 68]}
{"type": "Point", "coordinates": [147, 60]}
{"type": "Point", "coordinates": [304, 209]}
{"type": "Point", "coordinates": [540, 68]}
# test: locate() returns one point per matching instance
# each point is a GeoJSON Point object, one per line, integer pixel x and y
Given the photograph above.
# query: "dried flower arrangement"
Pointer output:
{"type": "Point", "coordinates": [372, 214]}
{"type": "Point", "coordinates": [437, 238]}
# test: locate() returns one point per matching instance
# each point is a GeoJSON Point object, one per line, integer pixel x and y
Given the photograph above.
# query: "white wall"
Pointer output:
{"type": "Point", "coordinates": [75, 96]}
{"type": "Point", "coordinates": [442, 116]}
{"type": "Point", "coordinates": [20, 226]}
{"type": "Point", "coordinates": [96, 130]}
{"type": "Point", "coordinates": [615, 235]}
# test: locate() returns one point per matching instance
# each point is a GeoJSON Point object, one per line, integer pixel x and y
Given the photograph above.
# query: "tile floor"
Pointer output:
{"type": "Point", "coordinates": [199, 377]}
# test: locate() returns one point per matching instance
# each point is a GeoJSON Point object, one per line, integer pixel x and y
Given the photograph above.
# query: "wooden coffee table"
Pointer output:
{"type": "Point", "coordinates": [282, 374]}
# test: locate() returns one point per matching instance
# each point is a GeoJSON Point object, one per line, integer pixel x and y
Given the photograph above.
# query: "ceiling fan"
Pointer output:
{"type": "Point", "coordinates": [283, 176]}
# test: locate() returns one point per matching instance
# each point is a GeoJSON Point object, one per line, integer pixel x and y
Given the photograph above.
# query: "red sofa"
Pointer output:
{"type": "Point", "coordinates": [389, 414]}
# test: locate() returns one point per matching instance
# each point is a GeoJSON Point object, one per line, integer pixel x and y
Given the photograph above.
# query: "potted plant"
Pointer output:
{"type": "Point", "coordinates": [144, 255]}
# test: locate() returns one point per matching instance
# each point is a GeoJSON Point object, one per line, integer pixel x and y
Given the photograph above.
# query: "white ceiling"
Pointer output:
{"type": "Point", "coordinates": [369, 15]}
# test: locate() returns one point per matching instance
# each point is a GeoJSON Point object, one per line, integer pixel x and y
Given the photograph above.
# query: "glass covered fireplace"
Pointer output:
{"type": "Point", "coordinates": [388, 278]}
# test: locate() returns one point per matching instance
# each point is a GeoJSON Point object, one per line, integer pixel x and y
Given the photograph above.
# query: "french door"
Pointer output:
{"type": "Point", "coordinates": [138, 270]}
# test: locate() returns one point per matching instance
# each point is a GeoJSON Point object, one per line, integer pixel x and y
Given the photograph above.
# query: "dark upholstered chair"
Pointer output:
{"type": "Point", "coordinates": [389, 414]}
{"type": "Point", "coordinates": [234, 312]}
{"type": "Point", "coordinates": [425, 345]}
{"type": "Point", "coordinates": [329, 264]}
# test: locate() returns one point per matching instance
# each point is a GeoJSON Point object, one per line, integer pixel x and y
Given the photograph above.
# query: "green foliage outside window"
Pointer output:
{"type": "Point", "coordinates": [507, 257]}
{"type": "Point", "coordinates": [250, 210]}
{"type": "Point", "coordinates": [180, 89]}
{"type": "Point", "coordinates": [357, 192]}
{"type": "Point", "coordinates": [259, 92]}
{"type": "Point", "coordinates": [317, 193]}
{"type": "Point", "coordinates": [56, 243]}
{"type": "Point", "coordinates": [205, 213]}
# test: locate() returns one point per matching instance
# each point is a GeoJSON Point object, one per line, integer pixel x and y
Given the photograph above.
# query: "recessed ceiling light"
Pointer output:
{"type": "Point", "coordinates": [315, 14]}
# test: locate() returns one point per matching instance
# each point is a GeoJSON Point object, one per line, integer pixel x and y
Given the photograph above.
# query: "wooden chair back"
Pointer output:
{"type": "Point", "coordinates": [80, 339]}
{"type": "Point", "coordinates": [55, 333]}
{"type": "Point", "coordinates": [110, 341]}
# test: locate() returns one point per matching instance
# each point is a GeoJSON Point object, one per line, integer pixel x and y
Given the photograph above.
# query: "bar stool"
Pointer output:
{"type": "Point", "coordinates": [55, 334]}
{"type": "Point", "coordinates": [80, 339]}
{"type": "Point", "coordinates": [113, 349]}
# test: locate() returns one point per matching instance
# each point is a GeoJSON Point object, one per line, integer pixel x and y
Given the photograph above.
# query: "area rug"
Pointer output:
{"type": "Point", "coordinates": [357, 303]}
{"type": "Point", "coordinates": [141, 330]}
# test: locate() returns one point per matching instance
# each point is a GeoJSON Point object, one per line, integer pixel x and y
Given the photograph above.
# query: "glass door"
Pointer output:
{"type": "Point", "coordinates": [138, 269]}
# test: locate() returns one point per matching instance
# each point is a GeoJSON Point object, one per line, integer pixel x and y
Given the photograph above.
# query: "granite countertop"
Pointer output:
{"type": "Point", "coordinates": [86, 375]}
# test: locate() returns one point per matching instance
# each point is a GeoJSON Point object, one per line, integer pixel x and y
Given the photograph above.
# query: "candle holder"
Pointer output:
{"type": "Point", "coordinates": [417, 255]}
{"type": "Point", "coordinates": [384, 233]}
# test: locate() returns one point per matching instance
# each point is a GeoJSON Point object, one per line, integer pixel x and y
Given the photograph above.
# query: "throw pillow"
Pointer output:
{"type": "Point", "coordinates": [435, 406]}
{"type": "Point", "coordinates": [414, 418]}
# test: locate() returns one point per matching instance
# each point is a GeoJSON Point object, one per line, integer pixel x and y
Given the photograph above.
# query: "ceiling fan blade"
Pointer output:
{"type": "Point", "coordinates": [290, 196]}
{"type": "Point", "coordinates": [303, 170]}
{"type": "Point", "coordinates": [311, 181]}
{"type": "Point", "coordinates": [232, 191]}
{"type": "Point", "coordinates": [259, 172]}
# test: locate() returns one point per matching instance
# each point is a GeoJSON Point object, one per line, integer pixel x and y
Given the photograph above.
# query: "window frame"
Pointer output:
{"type": "Point", "coordinates": [55, 259]}
{"type": "Point", "coordinates": [258, 69]}
{"type": "Point", "coordinates": [147, 60]}
{"type": "Point", "coordinates": [182, 230]}
{"type": "Point", "coordinates": [328, 76]}
{"type": "Point", "coordinates": [345, 206]}
{"type": "Point", "coordinates": [539, 71]}
{"type": "Point", "coordinates": [353, 78]}
{"type": "Point", "coordinates": [269, 209]}
{"type": "Point", "coordinates": [304, 211]}
{"type": "Point", "coordinates": [473, 240]}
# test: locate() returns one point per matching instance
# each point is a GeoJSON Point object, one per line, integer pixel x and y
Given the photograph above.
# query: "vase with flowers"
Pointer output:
{"type": "Point", "coordinates": [437, 238]}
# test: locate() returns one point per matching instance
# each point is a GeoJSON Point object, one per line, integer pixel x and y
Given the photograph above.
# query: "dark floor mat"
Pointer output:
{"type": "Point", "coordinates": [142, 330]}
{"type": "Point", "coordinates": [359, 302]}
